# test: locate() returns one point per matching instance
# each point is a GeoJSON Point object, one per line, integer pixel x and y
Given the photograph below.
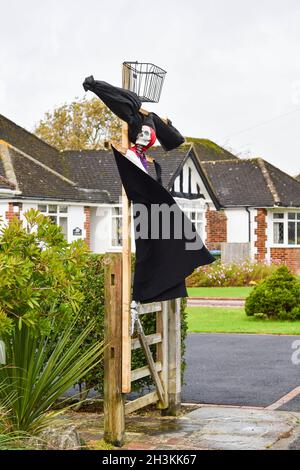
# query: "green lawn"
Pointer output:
{"type": "Point", "coordinates": [225, 320]}
{"type": "Point", "coordinates": [219, 291]}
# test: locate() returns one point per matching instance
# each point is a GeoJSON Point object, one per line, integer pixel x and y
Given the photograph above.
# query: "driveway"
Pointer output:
{"type": "Point", "coordinates": [240, 369]}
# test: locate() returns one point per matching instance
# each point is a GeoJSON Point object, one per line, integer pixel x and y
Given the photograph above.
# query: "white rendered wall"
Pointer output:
{"type": "Point", "coordinates": [76, 218]}
{"type": "Point", "coordinates": [100, 229]}
{"type": "Point", "coordinates": [237, 225]}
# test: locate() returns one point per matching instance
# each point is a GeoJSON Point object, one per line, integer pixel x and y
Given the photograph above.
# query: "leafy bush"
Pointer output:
{"type": "Point", "coordinates": [92, 309]}
{"type": "Point", "coordinates": [220, 274]}
{"type": "Point", "coordinates": [40, 274]}
{"type": "Point", "coordinates": [278, 296]}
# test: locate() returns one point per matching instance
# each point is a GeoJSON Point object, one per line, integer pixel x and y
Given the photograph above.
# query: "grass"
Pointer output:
{"type": "Point", "coordinates": [242, 291]}
{"type": "Point", "coordinates": [224, 320]}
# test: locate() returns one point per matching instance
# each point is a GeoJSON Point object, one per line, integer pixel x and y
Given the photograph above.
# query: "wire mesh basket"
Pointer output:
{"type": "Point", "coordinates": [145, 79]}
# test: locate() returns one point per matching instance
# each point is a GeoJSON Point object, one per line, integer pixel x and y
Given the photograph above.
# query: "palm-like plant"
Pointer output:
{"type": "Point", "coordinates": [39, 370]}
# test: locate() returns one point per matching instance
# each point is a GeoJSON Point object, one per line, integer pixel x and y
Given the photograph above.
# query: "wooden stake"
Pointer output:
{"type": "Point", "coordinates": [174, 358]}
{"type": "Point", "coordinates": [114, 415]}
{"type": "Point", "coordinates": [126, 269]}
{"type": "Point", "coordinates": [162, 350]}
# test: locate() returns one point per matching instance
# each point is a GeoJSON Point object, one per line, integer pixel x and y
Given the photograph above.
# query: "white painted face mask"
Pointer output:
{"type": "Point", "coordinates": [144, 136]}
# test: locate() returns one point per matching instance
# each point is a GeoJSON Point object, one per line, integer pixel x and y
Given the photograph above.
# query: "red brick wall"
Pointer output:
{"type": "Point", "coordinates": [288, 256]}
{"type": "Point", "coordinates": [216, 229]}
{"type": "Point", "coordinates": [261, 234]}
{"type": "Point", "coordinates": [87, 225]}
{"type": "Point", "coordinates": [10, 214]}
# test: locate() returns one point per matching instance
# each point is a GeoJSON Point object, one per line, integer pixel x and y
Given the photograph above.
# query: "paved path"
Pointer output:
{"type": "Point", "coordinates": [207, 427]}
{"type": "Point", "coordinates": [215, 302]}
{"type": "Point", "coordinates": [240, 369]}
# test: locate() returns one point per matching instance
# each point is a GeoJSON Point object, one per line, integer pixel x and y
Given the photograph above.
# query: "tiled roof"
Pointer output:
{"type": "Point", "coordinates": [5, 184]}
{"type": "Point", "coordinates": [97, 168]}
{"type": "Point", "coordinates": [287, 188]}
{"type": "Point", "coordinates": [238, 183]}
{"type": "Point", "coordinates": [27, 142]}
{"type": "Point", "coordinates": [251, 182]}
{"type": "Point", "coordinates": [36, 181]}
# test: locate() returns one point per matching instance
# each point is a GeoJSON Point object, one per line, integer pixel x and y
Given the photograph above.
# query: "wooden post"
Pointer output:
{"type": "Point", "coordinates": [126, 268]}
{"type": "Point", "coordinates": [174, 359]}
{"type": "Point", "coordinates": [162, 351]}
{"type": "Point", "coordinates": [114, 419]}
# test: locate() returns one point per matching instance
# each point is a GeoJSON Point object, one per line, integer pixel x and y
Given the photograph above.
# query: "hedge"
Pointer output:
{"type": "Point", "coordinates": [93, 307]}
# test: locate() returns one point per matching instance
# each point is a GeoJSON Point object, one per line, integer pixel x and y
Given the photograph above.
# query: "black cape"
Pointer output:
{"type": "Point", "coordinates": [161, 265]}
{"type": "Point", "coordinates": [126, 104]}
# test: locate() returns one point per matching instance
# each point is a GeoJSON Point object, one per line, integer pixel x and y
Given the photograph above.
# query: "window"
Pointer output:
{"type": "Point", "coordinates": [196, 217]}
{"type": "Point", "coordinates": [58, 215]}
{"type": "Point", "coordinates": [278, 228]}
{"type": "Point", "coordinates": [293, 228]}
{"type": "Point", "coordinates": [286, 228]}
{"type": "Point", "coordinates": [116, 226]}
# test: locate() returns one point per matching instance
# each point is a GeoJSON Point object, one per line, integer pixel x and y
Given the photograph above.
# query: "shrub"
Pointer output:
{"type": "Point", "coordinates": [40, 274]}
{"type": "Point", "coordinates": [92, 309]}
{"type": "Point", "coordinates": [220, 274]}
{"type": "Point", "coordinates": [278, 296]}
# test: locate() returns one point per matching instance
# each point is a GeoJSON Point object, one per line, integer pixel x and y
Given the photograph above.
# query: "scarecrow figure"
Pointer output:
{"type": "Point", "coordinates": [161, 263]}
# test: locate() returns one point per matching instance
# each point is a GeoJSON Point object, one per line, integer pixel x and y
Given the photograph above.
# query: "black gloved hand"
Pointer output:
{"type": "Point", "coordinates": [88, 82]}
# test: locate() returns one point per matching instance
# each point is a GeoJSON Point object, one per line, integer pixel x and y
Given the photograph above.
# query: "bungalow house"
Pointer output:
{"type": "Point", "coordinates": [243, 207]}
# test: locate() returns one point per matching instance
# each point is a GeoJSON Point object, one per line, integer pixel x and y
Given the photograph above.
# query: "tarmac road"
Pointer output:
{"type": "Point", "coordinates": [240, 369]}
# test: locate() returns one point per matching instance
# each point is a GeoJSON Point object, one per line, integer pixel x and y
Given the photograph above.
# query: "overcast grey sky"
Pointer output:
{"type": "Point", "coordinates": [233, 65]}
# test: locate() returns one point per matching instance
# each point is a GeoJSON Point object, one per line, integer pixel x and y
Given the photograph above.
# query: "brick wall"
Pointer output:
{"type": "Point", "coordinates": [261, 234]}
{"type": "Point", "coordinates": [87, 225]}
{"type": "Point", "coordinates": [10, 214]}
{"type": "Point", "coordinates": [216, 229]}
{"type": "Point", "coordinates": [288, 256]}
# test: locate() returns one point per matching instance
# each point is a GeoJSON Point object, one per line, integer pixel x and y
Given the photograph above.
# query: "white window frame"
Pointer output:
{"type": "Point", "coordinates": [114, 216]}
{"type": "Point", "coordinates": [285, 221]}
{"type": "Point", "coordinates": [198, 212]}
{"type": "Point", "coordinates": [59, 215]}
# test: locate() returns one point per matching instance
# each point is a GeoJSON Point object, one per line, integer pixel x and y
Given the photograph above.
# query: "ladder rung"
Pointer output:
{"type": "Point", "coordinates": [150, 308]}
{"type": "Point", "coordinates": [137, 374]}
{"type": "Point", "coordinates": [140, 402]}
{"type": "Point", "coordinates": [151, 339]}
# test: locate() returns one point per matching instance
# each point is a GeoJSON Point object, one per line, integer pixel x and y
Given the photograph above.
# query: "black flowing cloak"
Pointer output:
{"type": "Point", "coordinates": [126, 104]}
{"type": "Point", "coordinates": [161, 265]}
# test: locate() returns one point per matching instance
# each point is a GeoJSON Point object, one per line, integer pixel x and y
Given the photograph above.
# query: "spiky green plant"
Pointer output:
{"type": "Point", "coordinates": [39, 370]}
